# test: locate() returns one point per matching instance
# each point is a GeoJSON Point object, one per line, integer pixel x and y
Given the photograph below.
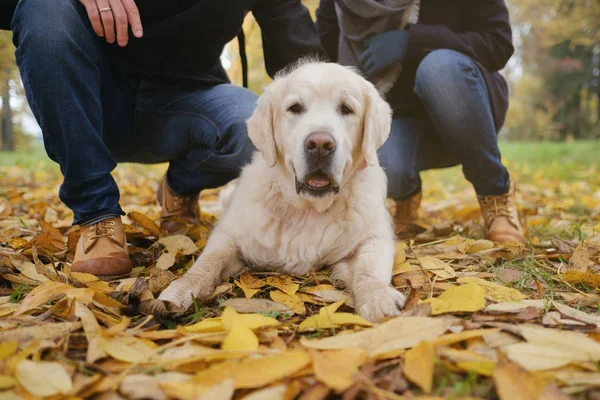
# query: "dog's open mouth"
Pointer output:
{"type": "Point", "coordinates": [317, 183]}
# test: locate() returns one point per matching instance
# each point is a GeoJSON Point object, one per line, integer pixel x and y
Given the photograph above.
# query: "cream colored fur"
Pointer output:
{"type": "Point", "coordinates": [267, 225]}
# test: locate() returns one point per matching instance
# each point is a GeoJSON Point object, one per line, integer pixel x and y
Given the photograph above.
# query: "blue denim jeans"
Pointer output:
{"type": "Point", "coordinates": [93, 117]}
{"type": "Point", "coordinates": [459, 129]}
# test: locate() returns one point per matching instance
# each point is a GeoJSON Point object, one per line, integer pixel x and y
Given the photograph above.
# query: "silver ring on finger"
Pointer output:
{"type": "Point", "coordinates": [104, 9]}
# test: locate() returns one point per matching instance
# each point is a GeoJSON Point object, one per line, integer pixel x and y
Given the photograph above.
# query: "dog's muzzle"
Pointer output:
{"type": "Point", "coordinates": [319, 149]}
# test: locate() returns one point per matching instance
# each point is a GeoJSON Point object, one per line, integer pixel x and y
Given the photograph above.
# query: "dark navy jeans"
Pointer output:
{"type": "Point", "coordinates": [93, 117]}
{"type": "Point", "coordinates": [459, 129]}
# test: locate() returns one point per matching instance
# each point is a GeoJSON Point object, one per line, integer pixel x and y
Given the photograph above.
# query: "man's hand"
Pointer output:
{"type": "Point", "coordinates": [383, 50]}
{"type": "Point", "coordinates": [111, 19]}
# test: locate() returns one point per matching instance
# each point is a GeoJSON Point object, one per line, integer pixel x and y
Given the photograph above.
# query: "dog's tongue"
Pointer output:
{"type": "Point", "coordinates": [318, 181]}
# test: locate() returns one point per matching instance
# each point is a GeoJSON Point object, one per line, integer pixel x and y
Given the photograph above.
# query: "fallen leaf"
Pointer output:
{"type": "Point", "coordinates": [256, 306]}
{"type": "Point", "coordinates": [240, 338]}
{"type": "Point", "coordinates": [277, 392]}
{"type": "Point", "coordinates": [41, 294]}
{"type": "Point", "coordinates": [165, 261]}
{"type": "Point", "coordinates": [126, 348]}
{"type": "Point", "coordinates": [465, 298]}
{"type": "Point", "coordinates": [494, 291]}
{"type": "Point", "coordinates": [47, 330]}
{"type": "Point", "coordinates": [476, 246]}
{"type": "Point", "coordinates": [580, 260]}
{"type": "Point", "coordinates": [50, 240]}
{"type": "Point", "coordinates": [8, 348]}
{"type": "Point", "coordinates": [283, 283]}
{"type": "Point", "coordinates": [42, 378]}
{"type": "Point", "coordinates": [92, 332]}
{"type": "Point", "coordinates": [418, 365]}
{"type": "Point", "coordinates": [337, 368]}
{"type": "Point", "coordinates": [576, 314]}
{"type": "Point", "coordinates": [581, 277]}
{"type": "Point", "coordinates": [509, 275]}
{"type": "Point", "coordinates": [292, 302]}
{"type": "Point", "coordinates": [207, 325]}
{"type": "Point", "coordinates": [515, 383]}
{"type": "Point", "coordinates": [550, 348]}
{"type": "Point", "coordinates": [145, 222]}
{"type": "Point", "coordinates": [221, 391]}
{"type": "Point", "coordinates": [328, 318]}
{"type": "Point", "coordinates": [252, 321]}
{"type": "Point", "coordinates": [437, 266]}
{"type": "Point", "coordinates": [395, 334]}
{"type": "Point", "coordinates": [140, 386]}
{"type": "Point", "coordinates": [248, 291]}
{"type": "Point", "coordinates": [179, 244]}
{"type": "Point", "coordinates": [6, 382]}
{"type": "Point", "coordinates": [452, 338]}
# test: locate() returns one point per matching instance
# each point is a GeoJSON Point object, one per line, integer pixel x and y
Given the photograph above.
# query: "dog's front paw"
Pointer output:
{"type": "Point", "coordinates": [182, 291]}
{"type": "Point", "coordinates": [379, 303]}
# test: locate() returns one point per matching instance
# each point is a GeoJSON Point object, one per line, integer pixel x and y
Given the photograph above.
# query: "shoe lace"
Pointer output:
{"type": "Point", "coordinates": [100, 229]}
{"type": "Point", "coordinates": [499, 206]}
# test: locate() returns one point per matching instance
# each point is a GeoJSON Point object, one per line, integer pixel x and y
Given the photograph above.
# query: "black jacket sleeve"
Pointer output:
{"type": "Point", "coordinates": [288, 33]}
{"type": "Point", "coordinates": [328, 28]}
{"type": "Point", "coordinates": [487, 39]}
{"type": "Point", "coordinates": [7, 8]}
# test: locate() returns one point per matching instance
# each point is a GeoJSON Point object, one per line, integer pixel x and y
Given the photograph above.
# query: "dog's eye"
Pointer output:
{"type": "Point", "coordinates": [296, 108]}
{"type": "Point", "coordinates": [345, 109]}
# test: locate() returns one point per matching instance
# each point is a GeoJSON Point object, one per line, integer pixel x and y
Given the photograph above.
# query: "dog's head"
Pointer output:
{"type": "Point", "coordinates": [320, 123]}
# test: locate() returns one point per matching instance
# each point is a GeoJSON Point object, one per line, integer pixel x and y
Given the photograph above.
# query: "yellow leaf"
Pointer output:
{"type": "Point", "coordinates": [401, 268]}
{"type": "Point", "coordinates": [485, 368]}
{"type": "Point", "coordinates": [178, 244]}
{"type": "Point", "coordinates": [400, 255]}
{"type": "Point", "coordinates": [92, 331]}
{"type": "Point", "coordinates": [126, 348]}
{"type": "Point", "coordinates": [581, 277]}
{"type": "Point", "coordinates": [580, 260]}
{"type": "Point", "coordinates": [283, 283]}
{"type": "Point", "coordinates": [437, 266]}
{"type": "Point", "coordinates": [395, 334]}
{"type": "Point", "coordinates": [329, 318]}
{"type": "Point", "coordinates": [550, 348]}
{"type": "Point", "coordinates": [93, 282]}
{"type": "Point", "coordinates": [336, 368]}
{"type": "Point", "coordinates": [252, 321]}
{"type": "Point", "coordinates": [292, 302]}
{"type": "Point", "coordinates": [259, 372]}
{"type": "Point", "coordinates": [221, 391]}
{"type": "Point", "coordinates": [8, 348]}
{"type": "Point", "coordinates": [41, 378]}
{"type": "Point", "coordinates": [6, 382]}
{"type": "Point", "coordinates": [165, 261]}
{"type": "Point", "coordinates": [515, 383]}
{"type": "Point", "coordinates": [475, 246]}
{"type": "Point", "coordinates": [207, 325]}
{"type": "Point", "coordinates": [145, 222]}
{"type": "Point", "coordinates": [465, 298]}
{"type": "Point", "coordinates": [41, 294]}
{"type": "Point", "coordinates": [418, 365]}
{"type": "Point", "coordinates": [240, 338]}
{"type": "Point", "coordinates": [50, 239]}
{"type": "Point", "coordinates": [452, 338]}
{"type": "Point", "coordinates": [248, 291]}
{"type": "Point", "coordinates": [251, 282]}
{"type": "Point", "coordinates": [494, 291]}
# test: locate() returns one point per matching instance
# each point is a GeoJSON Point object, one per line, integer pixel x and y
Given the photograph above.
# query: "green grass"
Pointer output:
{"type": "Point", "coordinates": [560, 160]}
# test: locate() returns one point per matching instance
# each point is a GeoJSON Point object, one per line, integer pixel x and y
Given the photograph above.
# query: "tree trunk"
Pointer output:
{"type": "Point", "coordinates": [8, 140]}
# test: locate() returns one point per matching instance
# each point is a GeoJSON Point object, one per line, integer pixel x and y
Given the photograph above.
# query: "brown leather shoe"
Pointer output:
{"type": "Point", "coordinates": [406, 216]}
{"type": "Point", "coordinates": [176, 211]}
{"type": "Point", "coordinates": [501, 219]}
{"type": "Point", "coordinates": [102, 250]}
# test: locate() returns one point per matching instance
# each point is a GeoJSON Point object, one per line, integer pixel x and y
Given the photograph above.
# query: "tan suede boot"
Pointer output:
{"type": "Point", "coordinates": [500, 217]}
{"type": "Point", "coordinates": [102, 250]}
{"type": "Point", "coordinates": [406, 216]}
{"type": "Point", "coordinates": [176, 211]}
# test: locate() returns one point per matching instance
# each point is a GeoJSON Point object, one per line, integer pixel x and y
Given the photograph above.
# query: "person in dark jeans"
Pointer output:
{"type": "Point", "coordinates": [109, 81]}
{"type": "Point", "coordinates": [449, 100]}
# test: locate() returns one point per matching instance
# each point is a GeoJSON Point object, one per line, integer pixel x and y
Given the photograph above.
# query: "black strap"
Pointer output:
{"type": "Point", "coordinates": [242, 48]}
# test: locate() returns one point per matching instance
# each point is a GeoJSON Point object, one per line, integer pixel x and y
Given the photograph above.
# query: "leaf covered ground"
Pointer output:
{"type": "Point", "coordinates": [483, 320]}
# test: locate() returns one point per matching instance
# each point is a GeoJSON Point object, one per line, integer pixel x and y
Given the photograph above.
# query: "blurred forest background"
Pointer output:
{"type": "Point", "coordinates": [554, 76]}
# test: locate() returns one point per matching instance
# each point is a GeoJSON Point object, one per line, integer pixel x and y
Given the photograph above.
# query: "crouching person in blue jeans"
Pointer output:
{"type": "Point", "coordinates": [437, 62]}
{"type": "Point", "coordinates": [115, 81]}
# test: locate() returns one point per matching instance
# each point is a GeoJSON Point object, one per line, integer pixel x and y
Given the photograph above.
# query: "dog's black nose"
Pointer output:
{"type": "Point", "coordinates": [320, 144]}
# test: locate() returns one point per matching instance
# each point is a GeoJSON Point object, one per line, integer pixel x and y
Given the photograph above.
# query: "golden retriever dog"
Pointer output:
{"type": "Point", "coordinates": [313, 195]}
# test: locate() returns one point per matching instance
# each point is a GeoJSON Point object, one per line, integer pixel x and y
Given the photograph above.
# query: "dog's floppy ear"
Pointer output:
{"type": "Point", "coordinates": [260, 128]}
{"type": "Point", "coordinates": [376, 124]}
